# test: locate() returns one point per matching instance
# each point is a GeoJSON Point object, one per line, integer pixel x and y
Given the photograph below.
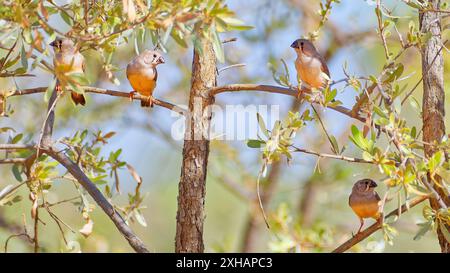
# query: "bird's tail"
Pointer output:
{"type": "Point", "coordinates": [78, 98]}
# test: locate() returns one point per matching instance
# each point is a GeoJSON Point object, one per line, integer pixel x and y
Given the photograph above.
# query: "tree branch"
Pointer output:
{"type": "Point", "coordinates": [102, 91]}
{"type": "Point", "coordinates": [12, 160]}
{"type": "Point", "coordinates": [279, 90]}
{"type": "Point", "coordinates": [93, 191]}
{"type": "Point", "coordinates": [376, 226]}
{"type": "Point", "coordinates": [16, 147]}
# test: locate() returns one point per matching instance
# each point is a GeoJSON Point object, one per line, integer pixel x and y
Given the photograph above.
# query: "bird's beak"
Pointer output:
{"type": "Point", "coordinates": [161, 60]}
{"type": "Point", "coordinates": [294, 44]}
{"type": "Point", "coordinates": [53, 43]}
{"type": "Point", "coordinates": [373, 184]}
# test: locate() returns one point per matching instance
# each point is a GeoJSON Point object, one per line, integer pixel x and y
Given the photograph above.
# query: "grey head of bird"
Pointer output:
{"type": "Point", "coordinates": [364, 186]}
{"type": "Point", "coordinates": [64, 45]}
{"type": "Point", "coordinates": [304, 46]}
{"type": "Point", "coordinates": [152, 57]}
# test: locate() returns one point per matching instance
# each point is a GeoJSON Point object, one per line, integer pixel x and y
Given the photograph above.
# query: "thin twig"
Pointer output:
{"type": "Point", "coordinates": [229, 40]}
{"type": "Point", "coordinates": [381, 29]}
{"type": "Point", "coordinates": [433, 192]}
{"type": "Point", "coordinates": [323, 128]}
{"type": "Point", "coordinates": [49, 205]}
{"type": "Point", "coordinates": [28, 237]}
{"type": "Point", "coordinates": [230, 66]}
{"type": "Point", "coordinates": [340, 157]}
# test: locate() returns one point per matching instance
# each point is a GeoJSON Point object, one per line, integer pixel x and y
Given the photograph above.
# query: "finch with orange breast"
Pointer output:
{"type": "Point", "coordinates": [68, 60]}
{"type": "Point", "coordinates": [365, 201]}
{"type": "Point", "coordinates": [311, 67]}
{"type": "Point", "coordinates": [142, 75]}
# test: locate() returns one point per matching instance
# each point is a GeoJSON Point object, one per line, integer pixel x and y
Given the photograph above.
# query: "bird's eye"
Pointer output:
{"type": "Point", "coordinates": [154, 55]}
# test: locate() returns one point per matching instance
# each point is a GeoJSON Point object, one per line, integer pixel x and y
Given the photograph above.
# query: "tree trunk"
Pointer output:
{"type": "Point", "coordinates": [433, 96]}
{"type": "Point", "coordinates": [192, 187]}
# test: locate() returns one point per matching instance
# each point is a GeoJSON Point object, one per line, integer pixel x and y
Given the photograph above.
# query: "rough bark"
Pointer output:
{"type": "Point", "coordinates": [192, 187]}
{"type": "Point", "coordinates": [433, 96]}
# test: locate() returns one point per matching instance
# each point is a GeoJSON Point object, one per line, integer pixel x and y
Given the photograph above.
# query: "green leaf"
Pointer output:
{"type": "Point", "coordinates": [23, 58]}
{"type": "Point", "coordinates": [17, 172]}
{"type": "Point", "coordinates": [334, 144]}
{"type": "Point", "coordinates": [10, 63]}
{"type": "Point", "coordinates": [358, 138]}
{"type": "Point", "coordinates": [50, 89]}
{"type": "Point", "coordinates": [424, 228]}
{"type": "Point", "coordinates": [444, 231]}
{"type": "Point", "coordinates": [240, 28]}
{"type": "Point", "coordinates": [139, 218]}
{"type": "Point", "coordinates": [79, 78]}
{"type": "Point", "coordinates": [17, 138]}
{"type": "Point", "coordinates": [379, 112]}
{"type": "Point", "coordinates": [66, 18]}
{"type": "Point", "coordinates": [167, 34]}
{"type": "Point", "coordinates": [217, 45]}
{"type": "Point", "coordinates": [178, 37]}
{"type": "Point", "coordinates": [20, 70]}
{"type": "Point", "coordinates": [255, 143]}
{"type": "Point", "coordinates": [435, 161]}
{"type": "Point", "coordinates": [367, 156]}
{"type": "Point", "coordinates": [262, 125]}
{"type": "Point", "coordinates": [395, 74]}
{"type": "Point", "coordinates": [413, 132]}
{"type": "Point", "coordinates": [6, 129]}
{"type": "Point", "coordinates": [113, 156]}
{"type": "Point", "coordinates": [7, 195]}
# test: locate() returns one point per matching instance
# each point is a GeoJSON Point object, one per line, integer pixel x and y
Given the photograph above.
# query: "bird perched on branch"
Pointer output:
{"type": "Point", "coordinates": [142, 75]}
{"type": "Point", "coordinates": [68, 60]}
{"type": "Point", "coordinates": [310, 65]}
{"type": "Point", "coordinates": [364, 200]}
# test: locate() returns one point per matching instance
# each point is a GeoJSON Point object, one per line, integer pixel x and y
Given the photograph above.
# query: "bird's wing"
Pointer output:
{"type": "Point", "coordinates": [377, 196]}
{"type": "Point", "coordinates": [156, 74]}
{"type": "Point", "coordinates": [324, 66]}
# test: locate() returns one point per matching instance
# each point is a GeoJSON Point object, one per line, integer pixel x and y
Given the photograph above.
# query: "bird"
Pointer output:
{"type": "Point", "coordinates": [365, 201]}
{"type": "Point", "coordinates": [68, 60]}
{"type": "Point", "coordinates": [310, 65]}
{"type": "Point", "coordinates": [142, 75]}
